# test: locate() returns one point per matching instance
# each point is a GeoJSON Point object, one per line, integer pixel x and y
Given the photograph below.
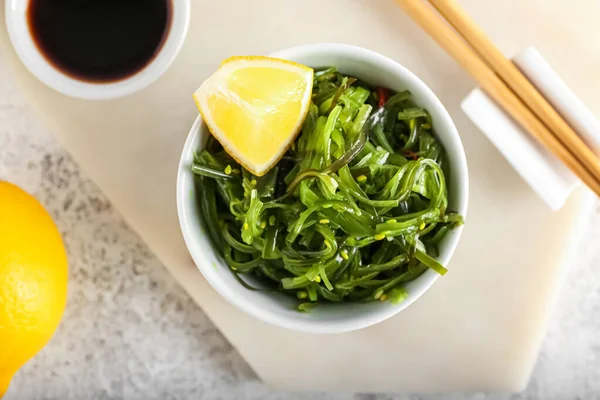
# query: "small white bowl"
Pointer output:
{"type": "Point", "coordinates": [278, 309]}
{"type": "Point", "coordinates": [38, 65]}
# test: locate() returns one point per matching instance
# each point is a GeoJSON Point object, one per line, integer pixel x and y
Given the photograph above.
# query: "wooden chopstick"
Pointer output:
{"type": "Point", "coordinates": [491, 83]}
{"type": "Point", "coordinates": [514, 78]}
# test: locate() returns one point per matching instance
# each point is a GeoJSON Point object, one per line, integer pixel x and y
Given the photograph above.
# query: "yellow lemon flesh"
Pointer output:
{"type": "Point", "coordinates": [33, 279]}
{"type": "Point", "coordinates": [255, 107]}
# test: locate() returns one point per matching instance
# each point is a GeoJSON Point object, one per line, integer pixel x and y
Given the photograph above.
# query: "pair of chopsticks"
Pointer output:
{"type": "Point", "coordinates": [505, 83]}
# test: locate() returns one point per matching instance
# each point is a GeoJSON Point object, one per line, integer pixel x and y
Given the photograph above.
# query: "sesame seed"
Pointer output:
{"type": "Point", "coordinates": [324, 221]}
{"type": "Point", "coordinates": [379, 236]}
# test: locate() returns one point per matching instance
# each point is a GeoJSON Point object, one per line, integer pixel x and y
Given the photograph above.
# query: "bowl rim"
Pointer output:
{"type": "Point", "coordinates": [359, 322]}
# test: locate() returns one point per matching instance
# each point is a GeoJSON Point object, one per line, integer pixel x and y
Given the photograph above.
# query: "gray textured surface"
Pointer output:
{"type": "Point", "coordinates": [130, 331]}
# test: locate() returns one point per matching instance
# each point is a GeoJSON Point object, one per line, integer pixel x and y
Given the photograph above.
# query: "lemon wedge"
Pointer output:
{"type": "Point", "coordinates": [255, 106]}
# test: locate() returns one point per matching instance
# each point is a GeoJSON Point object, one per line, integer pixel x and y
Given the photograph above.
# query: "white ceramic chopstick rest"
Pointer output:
{"type": "Point", "coordinates": [546, 175]}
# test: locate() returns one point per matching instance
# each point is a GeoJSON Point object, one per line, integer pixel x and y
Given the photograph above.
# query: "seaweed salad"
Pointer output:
{"type": "Point", "coordinates": [353, 210]}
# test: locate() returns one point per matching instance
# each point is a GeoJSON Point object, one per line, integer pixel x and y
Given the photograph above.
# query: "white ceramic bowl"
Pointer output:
{"type": "Point", "coordinates": [38, 65]}
{"type": "Point", "coordinates": [278, 309]}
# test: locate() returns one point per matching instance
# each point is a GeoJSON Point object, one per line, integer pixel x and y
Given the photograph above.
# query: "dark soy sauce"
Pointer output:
{"type": "Point", "coordinates": [99, 40]}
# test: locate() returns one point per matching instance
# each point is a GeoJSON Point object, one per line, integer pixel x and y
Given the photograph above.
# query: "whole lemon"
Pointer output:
{"type": "Point", "coordinates": [33, 279]}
